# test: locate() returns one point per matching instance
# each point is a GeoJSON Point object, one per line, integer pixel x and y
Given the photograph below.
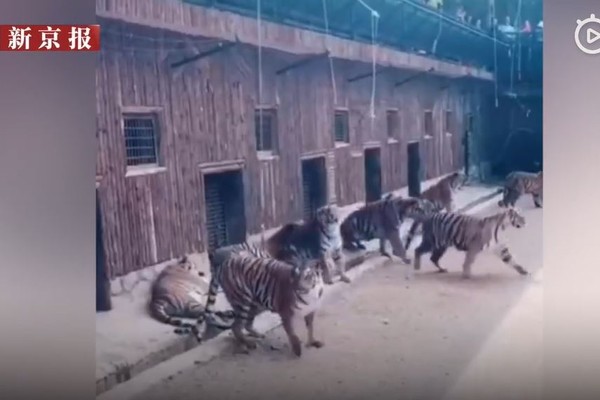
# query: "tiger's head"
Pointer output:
{"type": "Point", "coordinates": [515, 218]}
{"type": "Point", "coordinates": [328, 220]}
{"type": "Point", "coordinates": [456, 180]}
{"type": "Point", "coordinates": [188, 266]}
{"type": "Point", "coordinates": [306, 276]}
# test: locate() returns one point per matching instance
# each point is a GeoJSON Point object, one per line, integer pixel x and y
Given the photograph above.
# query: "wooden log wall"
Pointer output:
{"type": "Point", "coordinates": [206, 117]}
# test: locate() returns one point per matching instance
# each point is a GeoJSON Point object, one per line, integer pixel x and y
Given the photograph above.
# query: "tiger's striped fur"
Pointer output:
{"type": "Point", "coordinates": [176, 293]}
{"type": "Point", "coordinates": [439, 197]}
{"type": "Point", "coordinates": [518, 183]}
{"type": "Point", "coordinates": [379, 219]}
{"type": "Point", "coordinates": [467, 233]}
{"type": "Point", "coordinates": [318, 238]}
{"type": "Point", "coordinates": [253, 285]}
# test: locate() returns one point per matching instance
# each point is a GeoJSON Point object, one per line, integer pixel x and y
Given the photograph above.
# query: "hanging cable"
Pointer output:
{"type": "Point", "coordinates": [494, 28]}
{"type": "Point", "coordinates": [331, 70]}
{"type": "Point", "coordinates": [518, 23]}
{"type": "Point", "coordinates": [374, 28]}
{"type": "Point", "coordinates": [437, 38]}
{"type": "Point", "coordinates": [260, 93]}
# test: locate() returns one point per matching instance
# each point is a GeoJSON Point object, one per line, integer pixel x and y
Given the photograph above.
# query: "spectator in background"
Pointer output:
{"type": "Point", "coordinates": [436, 4]}
{"type": "Point", "coordinates": [478, 24]}
{"type": "Point", "coordinates": [461, 14]}
{"type": "Point", "coordinates": [507, 29]}
{"type": "Point", "coordinates": [526, 27]}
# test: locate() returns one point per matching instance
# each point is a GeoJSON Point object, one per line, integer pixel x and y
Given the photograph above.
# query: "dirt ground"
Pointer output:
{"type": "Point", "coordinates": [383, 338]}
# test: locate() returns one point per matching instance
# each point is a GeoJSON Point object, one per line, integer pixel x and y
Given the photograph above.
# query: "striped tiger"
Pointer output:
{"type": "Point", "coordinates": [439, 197]}
{"type": "Point", "coordinates": [253, 285]}
{"type": "Point", "coordinates": [469, 234]}
{"type": "Point", "coordinates": [176, 293]}
{"type": "Point", "coordinates": [379, 219]}
{"type": "Point", "coordinates": [518, 183]}
{"type": "Point", "coordinates": [317, 238]}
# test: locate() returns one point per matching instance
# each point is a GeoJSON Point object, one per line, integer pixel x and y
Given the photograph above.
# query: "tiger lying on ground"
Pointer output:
{"type": "Point", "coordinates": [176, 293]}
{"type": "Point", "coordinates": [518, 183]}
{"type": "Point", "coordinates": [440, 196]}
{"type": "Point", "coordinates": [467, 233]}
{"type": "Point", "coordinates": [253, 285]}
{"type": "Point", "coordinates": [379, 219]}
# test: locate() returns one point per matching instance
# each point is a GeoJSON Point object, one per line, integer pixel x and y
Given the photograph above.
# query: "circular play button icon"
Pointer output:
{"type": "Point", "coordinates": [587, 35]}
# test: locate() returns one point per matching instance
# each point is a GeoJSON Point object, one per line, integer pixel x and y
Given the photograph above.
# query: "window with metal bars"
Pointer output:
{"type": "Point", "coordinates": [393, 124]}
{"type": "Point", "coordinates": [141, 139]}
{"type": "Point", "coordinates": [448, 115]}
{"type": "Point", "coordinates": [428, 123]}
{"type": "Point", "coordinates": [342, 126]}
{"type": "Point", "coordinates": [265, 128]}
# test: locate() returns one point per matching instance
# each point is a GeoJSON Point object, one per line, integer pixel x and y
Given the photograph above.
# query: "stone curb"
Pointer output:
{"type": "Point", "coordinates": [183, 353]}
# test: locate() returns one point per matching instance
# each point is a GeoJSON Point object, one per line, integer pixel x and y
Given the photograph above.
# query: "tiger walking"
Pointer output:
{"type": "Point", "coordinates": [379, 219]}
{"type": "Point", "coordinates": [518, 183]}
{"type": "Point", "coordinates": [439, 196]}
{"type": "Point", "coordinates": [253, 285]}
{"type": "Point", "coordinates": [469, 234]}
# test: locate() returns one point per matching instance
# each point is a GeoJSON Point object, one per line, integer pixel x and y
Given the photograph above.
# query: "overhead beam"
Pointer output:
{"type": "Point", "coordinates": [222, 46]}
{"type": "Point", "coordinates": [367, 74]}
{"type": "Point", "coordinates": [413, 77]}
{"type": "Point", "coordinates": [302, 62]}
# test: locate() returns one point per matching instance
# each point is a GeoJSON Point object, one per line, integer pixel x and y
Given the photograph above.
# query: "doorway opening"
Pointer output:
{"type": "Point", "coordinates": [225, 211]}
{"type": "Point", "coordinates": [314, 185]}
{"type": "Point", "coordinates": [414, 169]}
{"type": "Point", "coordinates": [103, 300]}
{"type": "Point", "coordinates": [373, 174]}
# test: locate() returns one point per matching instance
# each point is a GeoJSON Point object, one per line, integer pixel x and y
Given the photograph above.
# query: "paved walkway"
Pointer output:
{"type": "Point", "coordinates": [129, 341]}
{"type": "Point", "coordinates": [386, 338]}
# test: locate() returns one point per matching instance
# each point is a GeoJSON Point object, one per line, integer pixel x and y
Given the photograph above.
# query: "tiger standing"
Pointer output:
{"type": "Point", "coordinates": [176, 293]}
{"type": "Point", "coordinates": [379, 219]}
{"type": "Point", "coordinates": [518, 183]}
{"type": "Point", "coordinates": [469, 234]}
{"type": "Point", "coordinates": [317, 238]}
{"type": "Point", "coordinates": [253, 285]}
{"type": "Point", "coordinates": [440, 197]}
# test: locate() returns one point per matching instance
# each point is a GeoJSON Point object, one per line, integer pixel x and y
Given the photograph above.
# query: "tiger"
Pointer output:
{"type": "Point", "coordinates": [518, 183]}
{"type": "Point", "coordinates": [176, 293]}
{"type": "Point", "coordinates": [469, 234]}
{"type": "Point", "coordinates": [255, 284]}
{"type": "Point", "coordinates": [317, 238]}
{"type": "Point", "coordinates": [379, 219]}
{"type": "Point", "coordinates": [439, 197]}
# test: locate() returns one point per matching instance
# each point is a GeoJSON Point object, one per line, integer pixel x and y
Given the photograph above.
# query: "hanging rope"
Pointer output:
{"type": "Point", "coordinates": [260, 94]}
{"type": "Point", "coordinates": [518, 23]}
{"type": "Point", "coordinates": [437, 38]}
{"type": "Point", "coordinates": [331, 70]}
{"type": "Point", "coordinates": [374, 28]}
{"type": "Point", "coordinates": [494, 27]}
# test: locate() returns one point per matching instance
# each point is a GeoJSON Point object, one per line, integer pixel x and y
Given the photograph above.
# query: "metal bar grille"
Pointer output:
{"type": "Point", "coordinates": [341, 126]}
{"type": "Point", "coordinates": [393, 119]}
{"type": "Point", "coordinates": [428, 123]}
{"type": "Point", "coordinates": [264, 128]}
{"type": "Point", "coordinates": [141, 142]}
{"type": "Point", "coordinates": [216, 226]}
{"type": "Point", "coordinates": [306, 194]}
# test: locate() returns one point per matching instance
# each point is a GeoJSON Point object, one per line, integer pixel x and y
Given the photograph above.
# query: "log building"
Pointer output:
{"type": "Point", "coordinates": [212, 121]}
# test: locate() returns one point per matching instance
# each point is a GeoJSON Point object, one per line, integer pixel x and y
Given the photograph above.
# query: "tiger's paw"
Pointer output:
{"type": "Point", "coordinates": [345, 279]}
{"type": "Point", "coordinates": [442, 270]}
{"type": "Point", "coordinates": [297, 347]}
{"type": "Point", "coordinates": [317, 344]}
{"type": "Point", "coordinates": [521, 270]}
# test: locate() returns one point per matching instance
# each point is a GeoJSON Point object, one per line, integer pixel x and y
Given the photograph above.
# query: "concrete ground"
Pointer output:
{"type": "Point", "coordinates": [434, 336]}
{"type": "Point", "coordinates": [129, 341]}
